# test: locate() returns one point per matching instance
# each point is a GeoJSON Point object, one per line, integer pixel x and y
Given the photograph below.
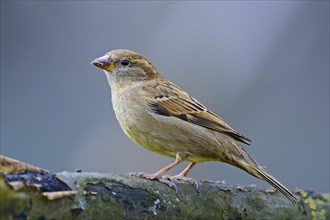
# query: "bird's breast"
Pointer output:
{"type": "Point", "coordinates": [165, 135]}
{"type": "Point", "coordinates": [130, 110]}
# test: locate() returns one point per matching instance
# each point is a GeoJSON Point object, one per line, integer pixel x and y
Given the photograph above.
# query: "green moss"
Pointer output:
{"type": "Point", "coordinates": [11, 202]}
{"type": "Point", "coordinates": [319, 207]}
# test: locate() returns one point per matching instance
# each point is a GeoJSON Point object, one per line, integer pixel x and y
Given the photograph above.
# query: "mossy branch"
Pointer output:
{"type": "Point", "coordinates": [111, 196]}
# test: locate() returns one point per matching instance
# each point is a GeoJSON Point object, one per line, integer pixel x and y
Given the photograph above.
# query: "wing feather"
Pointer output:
{"type": "Point", "coordinates": [170, 100]}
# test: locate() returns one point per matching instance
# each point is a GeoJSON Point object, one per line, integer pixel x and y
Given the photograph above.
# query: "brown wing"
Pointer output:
{"type": "Point", "coordinates": [170, 100]}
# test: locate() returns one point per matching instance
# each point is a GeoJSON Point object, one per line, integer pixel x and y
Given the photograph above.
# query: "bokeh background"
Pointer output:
{"type": "Point", "coordinates": [262, 66]}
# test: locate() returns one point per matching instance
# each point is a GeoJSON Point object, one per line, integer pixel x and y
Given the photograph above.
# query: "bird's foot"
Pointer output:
{"type": "Point", "coordinates": [162, 179]}
{"type": "Point", "coordinates": [184, 179]}
{"type": "Point", "coordinates": [143, 175]}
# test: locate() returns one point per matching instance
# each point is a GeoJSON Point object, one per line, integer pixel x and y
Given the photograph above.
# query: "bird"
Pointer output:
{"type": "Point", "coordinates": [161, 117]}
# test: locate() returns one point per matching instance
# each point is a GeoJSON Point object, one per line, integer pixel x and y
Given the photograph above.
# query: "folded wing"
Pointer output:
{"type": "Point", "coordinates": [169, 100]}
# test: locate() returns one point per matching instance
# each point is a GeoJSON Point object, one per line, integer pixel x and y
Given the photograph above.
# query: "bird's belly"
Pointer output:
{"type": "Point", "coordinates": [169, 135]}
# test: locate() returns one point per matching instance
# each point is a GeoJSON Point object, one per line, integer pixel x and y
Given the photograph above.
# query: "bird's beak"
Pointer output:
{"type": "Point", "coordinates": [104, 63]}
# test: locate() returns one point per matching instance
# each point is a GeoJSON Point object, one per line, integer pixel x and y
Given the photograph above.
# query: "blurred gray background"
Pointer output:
{"type": "Point", "coordinates": [262, 66]}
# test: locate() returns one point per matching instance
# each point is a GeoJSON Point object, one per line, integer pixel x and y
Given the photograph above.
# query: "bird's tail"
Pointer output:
{"type": "Point", "coordinates": [276, 184]}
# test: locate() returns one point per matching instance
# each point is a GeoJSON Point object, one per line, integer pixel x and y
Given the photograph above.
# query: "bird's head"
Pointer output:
{"type": "Point", "coordinates": [125, 65]}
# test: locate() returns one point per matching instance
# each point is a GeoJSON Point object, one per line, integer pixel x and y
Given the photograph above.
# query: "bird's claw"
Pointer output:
{"type": "Point", "coordinates": [184, 179]}
{"type": "Point", "coordinates": [143, 175]}
{"type": "Point", "coordinates": [168, 180]}
{"type": "Point", "coordinates": [162, 179]}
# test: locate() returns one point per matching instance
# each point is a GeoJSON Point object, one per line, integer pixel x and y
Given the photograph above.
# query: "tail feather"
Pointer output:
{"type": "Point", "coordinates": [275, 183]}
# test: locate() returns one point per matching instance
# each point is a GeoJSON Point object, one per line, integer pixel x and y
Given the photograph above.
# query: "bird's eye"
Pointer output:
{"type": "Point", "coordinates": [125, 62]}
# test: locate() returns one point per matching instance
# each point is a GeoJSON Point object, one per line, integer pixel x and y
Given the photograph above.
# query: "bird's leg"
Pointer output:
{"type": "Point", "coordinates": [183, 176]}
{"type": "Point", "coordinates": [164, 170]}
{"type": "Point", "coordinates": [159, 174]}
{"type": "Point", "coordinates": [185, 172]}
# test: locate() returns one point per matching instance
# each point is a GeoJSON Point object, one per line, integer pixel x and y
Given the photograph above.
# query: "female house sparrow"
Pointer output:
{"type": "Point", "coordinates": [163, 118]}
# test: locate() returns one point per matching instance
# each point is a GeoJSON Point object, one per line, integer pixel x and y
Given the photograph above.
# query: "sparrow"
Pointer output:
{"type": "Point", "coordinates": [161, 117]}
